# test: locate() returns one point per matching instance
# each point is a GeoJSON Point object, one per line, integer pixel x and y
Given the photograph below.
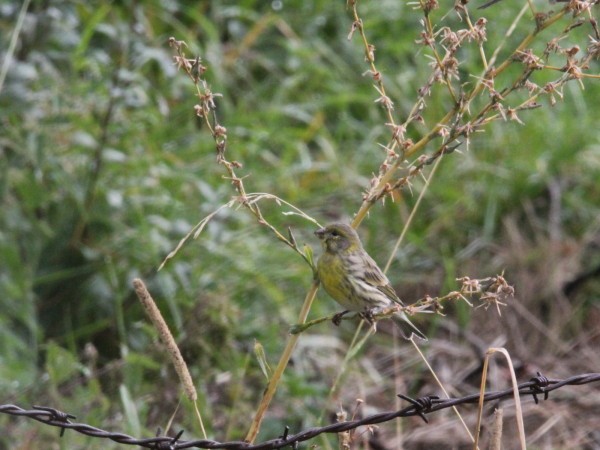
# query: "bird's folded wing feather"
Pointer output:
{"type": "Point", "coordinates": [375, 277]}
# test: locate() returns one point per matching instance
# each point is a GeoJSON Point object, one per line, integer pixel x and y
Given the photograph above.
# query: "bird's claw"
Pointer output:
{"type": "Point", "coordinates": [337, 318]}
{"type": "Point", "coordinates": [368, 316]}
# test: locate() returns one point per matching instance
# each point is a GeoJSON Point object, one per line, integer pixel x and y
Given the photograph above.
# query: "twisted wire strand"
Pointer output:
{"type": "Point", "coordinates": [539, 385]}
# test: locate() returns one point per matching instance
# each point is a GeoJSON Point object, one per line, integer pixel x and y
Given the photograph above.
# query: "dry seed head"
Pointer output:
{"type": "Point", "coordinates": [421, 160]}
{"type": "Point", "coordinates": [424, 90]}
{"type": "Point", "coordinates": [371, 53]}
{"type": "Point", "coordinates": [579, 6]}
{"type": "Point", "coordinates": [512, 115]}
{"type": "Point", "coordinates": [450, 66]}
{"type": "Point", "coordinates": [397, 130]}
{"type": "Point", "coordinates": [355, 26]}
{"type": "Point", "coordinates": [466, 130]}
{"type": "Point", "coordinates": [552, 46]}
{"type": "Point", "coordinates": [594, 48]}
{"type": "Point", "coordinates": [174, 43]}
{"type": "Point", "coordinates": [427, 40]}
{"type": "Point", "coordinates": [528, 58]}
{"type": "Point", "coordinates": [430, 5]}
{"type": "Point", "coordinates": [540, 19]}
{"type": "Point", "coordinates": [572, 51]}
{"type": "Point", "coordinates": [498, 107]}
{"type": "Point", "coordinates": [182, 63]}
{"type": "Point", "coordinates": [469, 286]}
{"type": "Point", "coordinates": [220, 131]}
{"type": "Point", "coordinates": [449, 38]}
{"type": "Point", "coordinates": [531, 86]}
{"type": "Point", "coordinates": [572, 68]}
{"type": "Point", "coordinates": [384, 99]}
{"type": "Point", "coordinates": [444, 131]}
{"type": "Point", "coordinates": [479, 30]}
{"type": "Point", "coordinates": [414, 171]}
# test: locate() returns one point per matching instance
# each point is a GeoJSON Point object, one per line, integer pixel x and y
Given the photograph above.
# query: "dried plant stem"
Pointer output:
{"type": "Point", "coordinates": [343, 367]}
{"type": "Point", "coordinates": [173, 415]}
{"type": "Point", "coordinates": [370, 56]}
{"type": "Point", "coordinates": [169, 341]}
{"type": "Point", "coordinates": [13, 43]}
{"type": "Point", "coordinates": [355, 346]}
{"type": "Point", "coordinates": [281, 365]}
{"type": "Point", "coordinates": [411, 216]}
{"type": "Point", "coordinates": [480, 43]}
{"type": "Point", "coordinates": [508, 33]}
{"type": "Point", "coordinates": [513, 377]}
{"type": "Point", "coordinates": [439, 59]}
{"type": "Point", "coordinates": [496, 435]}
{"type": "Point", "coordinates": [399, 386]}
{"type": "Point", "coordinates": [445, 392]}
{"type": "Point", "coordinates": [206, 109]}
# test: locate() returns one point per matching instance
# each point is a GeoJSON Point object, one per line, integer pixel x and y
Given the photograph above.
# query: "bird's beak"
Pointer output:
{"type": "Point", "coordinates": [320, 233]}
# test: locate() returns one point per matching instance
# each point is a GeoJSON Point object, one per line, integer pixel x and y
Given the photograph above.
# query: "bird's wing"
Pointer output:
{"type": "Point", "coordinates": [375, 277]}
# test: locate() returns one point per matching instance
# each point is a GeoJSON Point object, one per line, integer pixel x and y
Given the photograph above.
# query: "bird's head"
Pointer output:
{"type": "Point", "coordinates": [339, 238]}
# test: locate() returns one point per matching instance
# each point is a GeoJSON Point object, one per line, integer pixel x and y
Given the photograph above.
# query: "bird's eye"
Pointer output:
{"type": "Point", "coordinates": [335, 233]}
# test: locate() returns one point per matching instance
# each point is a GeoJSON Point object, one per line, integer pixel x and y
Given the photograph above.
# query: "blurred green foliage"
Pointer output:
{"type": "Point", "coordinates": [104, 168]}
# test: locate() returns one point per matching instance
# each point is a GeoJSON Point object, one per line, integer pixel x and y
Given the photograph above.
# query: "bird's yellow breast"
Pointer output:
{"type": "Point", "coordinates": [334, 279]}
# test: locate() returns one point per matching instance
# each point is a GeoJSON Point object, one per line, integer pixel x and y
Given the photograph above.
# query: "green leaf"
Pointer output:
{"type": "Point", "coordinates": [259, 351]}
{"type": "Point", "coordinates": [61, 364]}
{"type": "Point", "coordinates": [131, 411]}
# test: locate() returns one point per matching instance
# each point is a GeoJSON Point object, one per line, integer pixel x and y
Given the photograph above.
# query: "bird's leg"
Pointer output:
{"type": "Point", "coordinates": [369, 315]}
{"type": "Point", "coordinates": [337, 318]}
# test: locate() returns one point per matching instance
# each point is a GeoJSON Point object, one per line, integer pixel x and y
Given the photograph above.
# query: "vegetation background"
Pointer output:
{"type": "Point", "coordinates": [104, 168]}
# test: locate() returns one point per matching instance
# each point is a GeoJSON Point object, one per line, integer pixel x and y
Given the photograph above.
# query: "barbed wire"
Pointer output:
{"type": "Point", "coordinates": [539, 385]}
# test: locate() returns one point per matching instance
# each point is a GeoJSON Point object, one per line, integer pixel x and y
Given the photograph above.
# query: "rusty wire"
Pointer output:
{"type": "Point", "coordinates": [539, 385]}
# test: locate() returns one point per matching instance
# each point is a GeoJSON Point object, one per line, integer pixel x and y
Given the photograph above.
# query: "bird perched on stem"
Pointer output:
{"type": "Point", "coordinates": [354, 280]}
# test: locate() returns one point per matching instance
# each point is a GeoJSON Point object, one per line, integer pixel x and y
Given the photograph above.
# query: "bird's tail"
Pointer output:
{"type": "Point", "coordinates": [406, 326]}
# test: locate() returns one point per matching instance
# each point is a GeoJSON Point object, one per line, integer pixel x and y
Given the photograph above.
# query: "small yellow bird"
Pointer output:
{"type": "Point", "coordinates": [354, 280]}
